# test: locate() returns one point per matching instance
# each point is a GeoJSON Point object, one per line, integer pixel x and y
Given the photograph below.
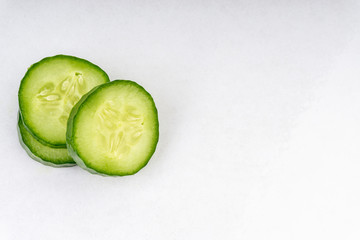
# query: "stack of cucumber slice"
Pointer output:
{"type": "Point", "coordinates": [70, 113]}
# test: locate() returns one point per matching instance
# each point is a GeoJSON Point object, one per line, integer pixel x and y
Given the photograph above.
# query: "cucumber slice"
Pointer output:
{"type": "Point", "coordinates": [114, 129]}
{"type": "Point", "coordinates": [55, 157]}
{"type": "Point", "coordinates": [49, 90]}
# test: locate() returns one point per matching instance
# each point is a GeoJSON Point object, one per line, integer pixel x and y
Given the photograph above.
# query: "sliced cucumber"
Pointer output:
{"type": "Point", "coordinates": [49, 90]}
{"type": "Point", "coordinates": [56, 157]}
{"type": "Point", "coordinates": [114, 129]}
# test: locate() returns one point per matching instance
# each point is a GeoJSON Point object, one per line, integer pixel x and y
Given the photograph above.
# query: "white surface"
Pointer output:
{"type": "Point", "coordinates": [259, 110]}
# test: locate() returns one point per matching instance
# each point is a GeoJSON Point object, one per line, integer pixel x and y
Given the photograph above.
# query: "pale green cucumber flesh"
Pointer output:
{"type": "Point", "coordinates": [55, 157]}
{"type": "Point", "coordinates": [49, 90]}
{"type": "Point", "coordinates": [114, 129]}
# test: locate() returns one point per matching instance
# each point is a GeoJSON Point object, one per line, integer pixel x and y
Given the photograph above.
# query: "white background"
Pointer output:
{"type": "Point", "coordinates": [259, 111]}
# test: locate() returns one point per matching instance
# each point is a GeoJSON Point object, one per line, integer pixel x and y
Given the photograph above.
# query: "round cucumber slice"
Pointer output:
{"type": "Point", "coordinates": [55, 157]}
{"type": "Point", "coordinates": [49, 90]}
{"type": "Point", "coordinates": [114, 129]}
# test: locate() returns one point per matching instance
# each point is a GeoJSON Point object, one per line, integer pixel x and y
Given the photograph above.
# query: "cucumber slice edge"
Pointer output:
{"type": "Point", "coordinates": [33, 155]}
